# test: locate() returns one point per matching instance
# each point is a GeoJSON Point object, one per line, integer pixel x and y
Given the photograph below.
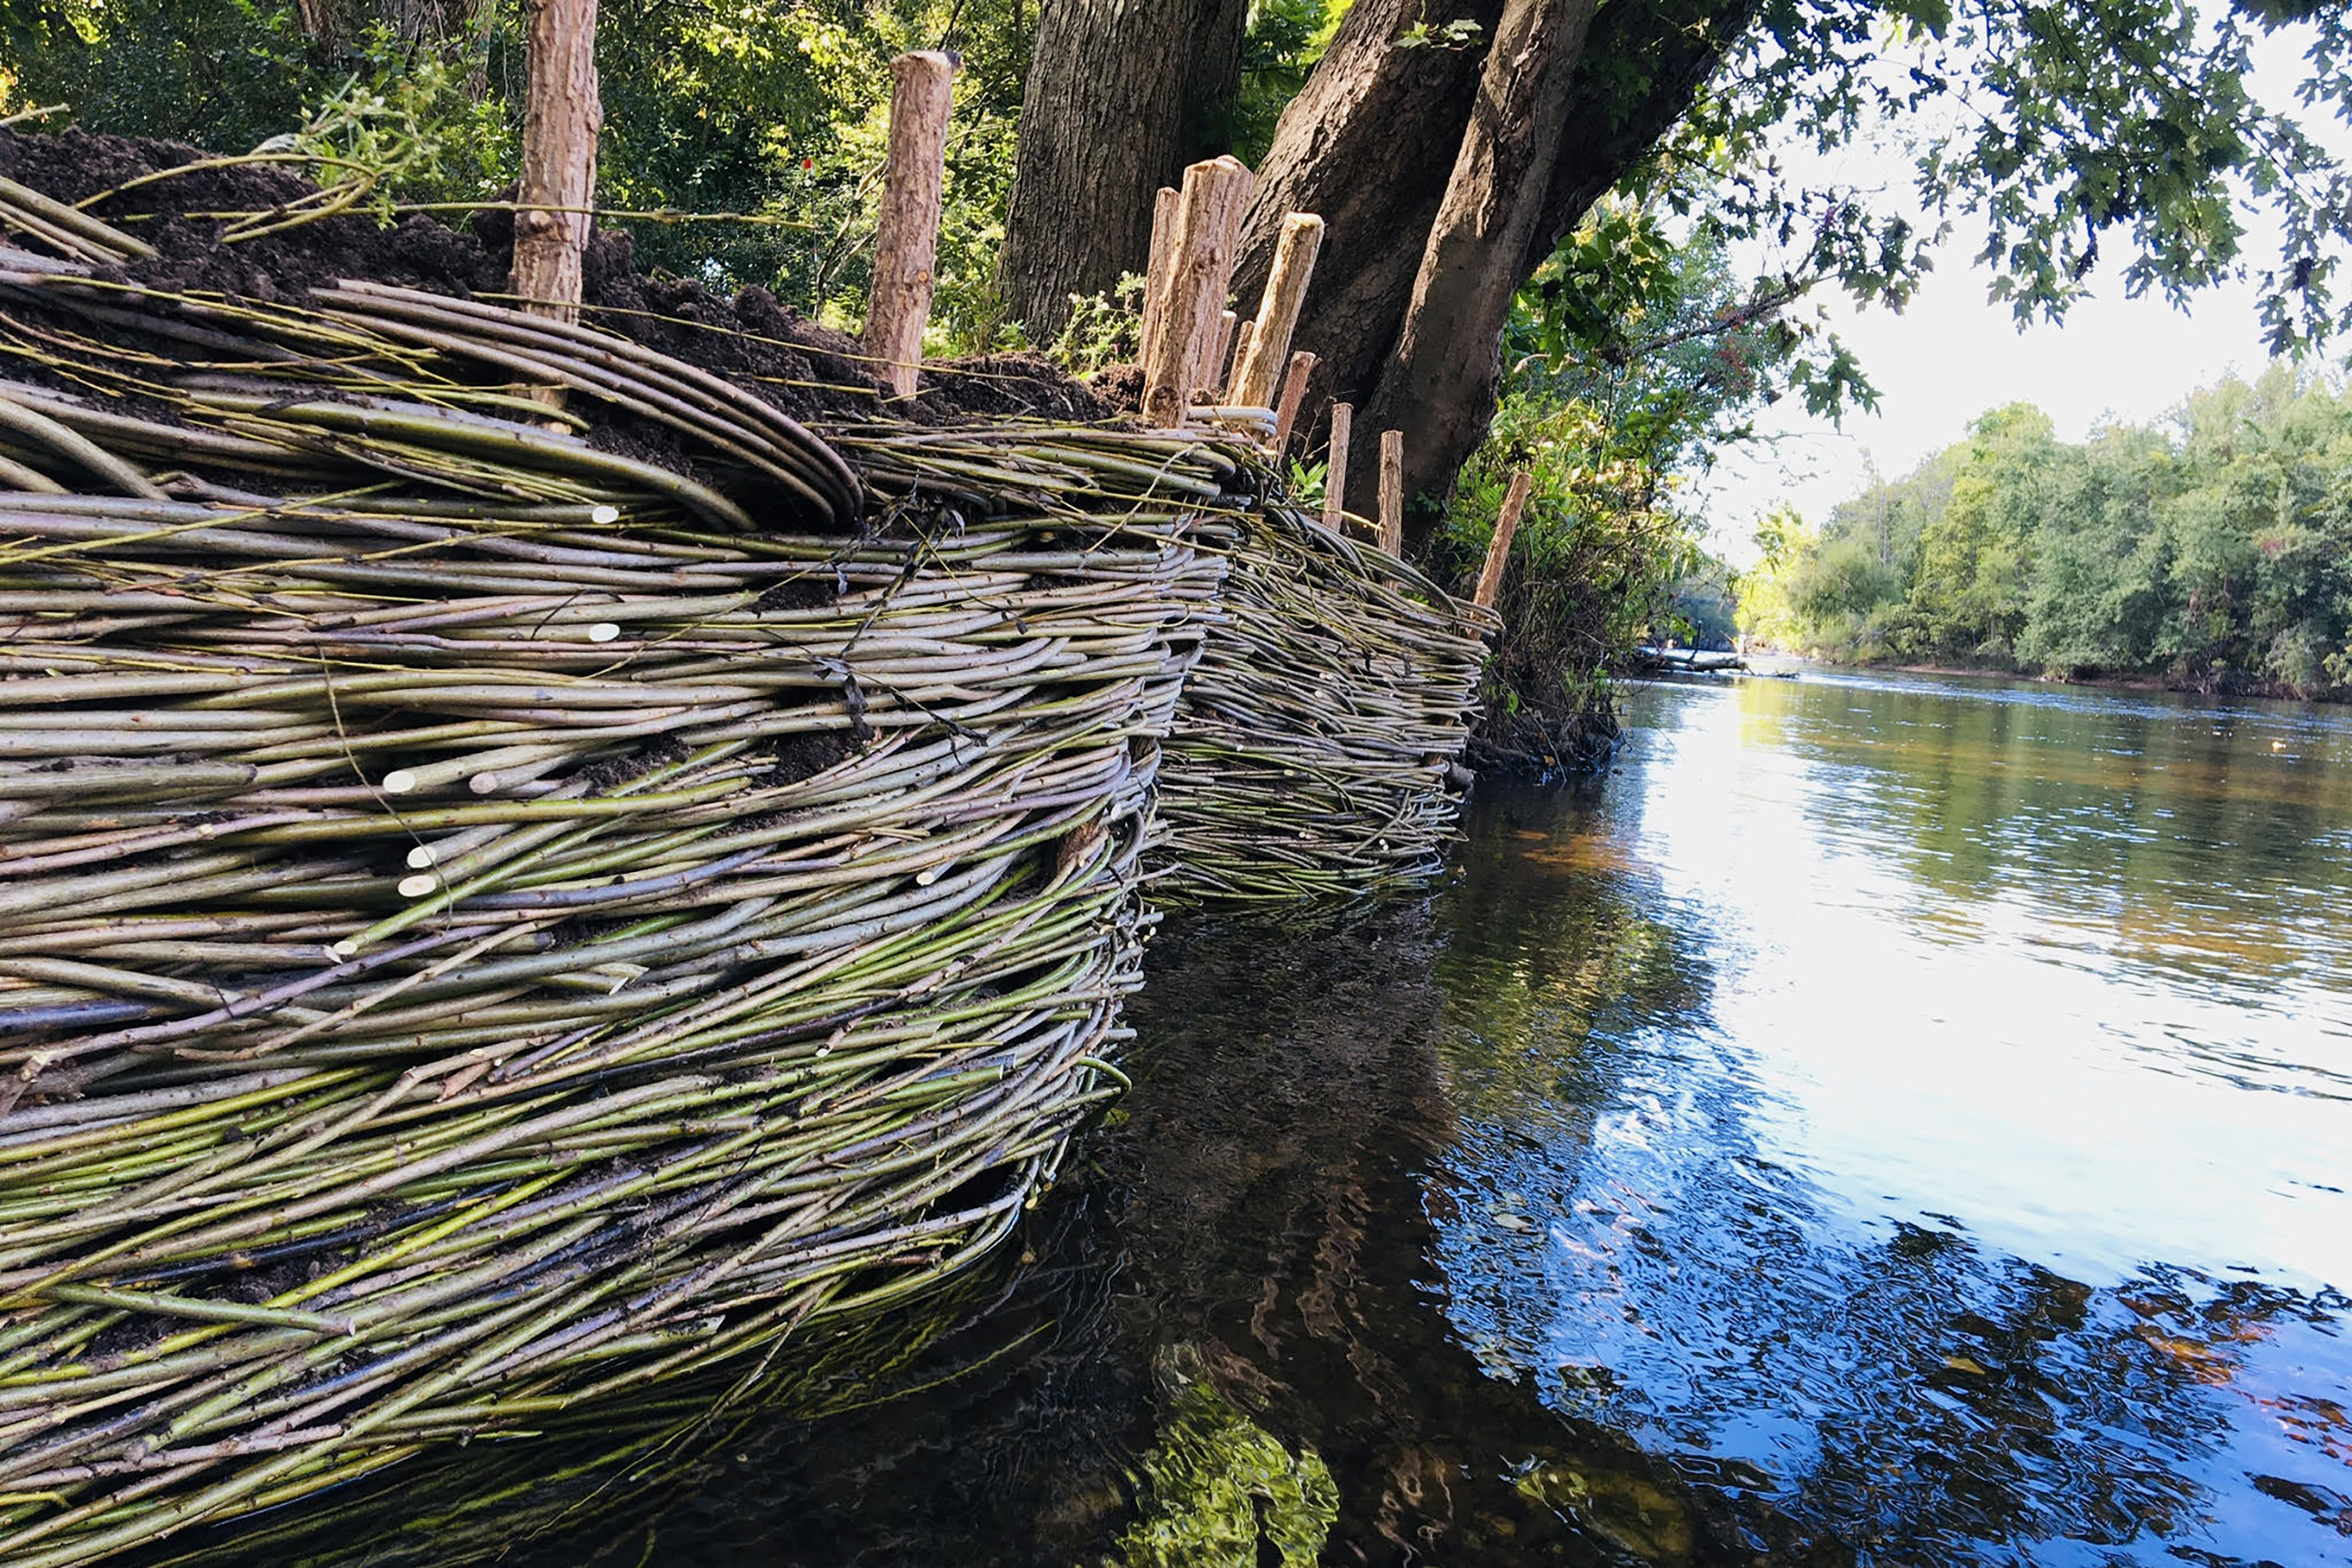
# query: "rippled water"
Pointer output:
{"type": "Point", "coordinates": [1896, 1122]}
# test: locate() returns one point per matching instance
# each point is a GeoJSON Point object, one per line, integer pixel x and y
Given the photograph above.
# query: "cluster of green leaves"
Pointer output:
{"type": "Point", "coordinates": [1282, 41]}
{"type": "Point", "coordinates": [2216, 550]}
{"type": "Point", "coordinates": [406, 127]}
{"type": "Point", "coordinates": [1103, 329]}
{"type": "Point", "coordinates": [2052, 130]}
{"type": "Point", "coordinates": [225, 74]}
{"type": "Point", "coordinates": [1630, 362]}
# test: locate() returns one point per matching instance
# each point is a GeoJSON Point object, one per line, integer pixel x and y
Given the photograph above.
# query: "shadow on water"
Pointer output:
{"type": "Point", "coordinates": [1452, 1235]}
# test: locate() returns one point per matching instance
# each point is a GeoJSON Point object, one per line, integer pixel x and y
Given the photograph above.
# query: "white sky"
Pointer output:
{"type": "Point", "coordinates": [1953, 354]}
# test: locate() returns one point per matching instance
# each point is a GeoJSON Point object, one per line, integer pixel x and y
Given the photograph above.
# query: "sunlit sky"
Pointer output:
{"type": "Point", "coordinates": [1951, 355]}
{"type": "Point", "coordinates": [1954, 352]}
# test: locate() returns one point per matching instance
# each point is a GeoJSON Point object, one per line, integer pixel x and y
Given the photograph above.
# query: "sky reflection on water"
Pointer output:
{"type": "Point", "coordinates": [1936, 1109]}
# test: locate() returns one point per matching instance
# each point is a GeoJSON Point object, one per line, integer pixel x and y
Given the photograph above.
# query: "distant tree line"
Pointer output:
{"type": "Point", "coordinates": [2212, 549]}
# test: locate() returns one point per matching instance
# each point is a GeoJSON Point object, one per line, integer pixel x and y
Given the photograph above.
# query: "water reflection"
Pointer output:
{"type": "Point", "coordinates": [1833, 1144]}
{"type": "Point", "coordinates": [1668, 1179]}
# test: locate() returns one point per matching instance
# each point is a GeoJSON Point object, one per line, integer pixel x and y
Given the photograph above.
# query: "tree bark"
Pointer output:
{"type": "Point", "coordinates": [334, 25]}
{"type": "Point", "coordinates": [436, 22]}
{"type": "Point", "coordinates": [1366, 146]}
{"type": "Point", "coordinates": [1446, 366]}
{"type": "Point", "coordinates": [1371, 144]}
{"type": "Point", "coordinates": [907, 237]}
{"type": "Point", "coordinates": [326, 23]}
{"type": "Point", "coordinates": [1121, 95]}
{"type": "Point", "coordinates": [560, 119]}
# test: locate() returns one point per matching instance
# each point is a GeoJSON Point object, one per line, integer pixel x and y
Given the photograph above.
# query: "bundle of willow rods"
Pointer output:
{"type": "Point", "coordinates": [487, 921]}
{"type": "Point", "coordinates": [1316, 752]}
{"type": "Point", "coordinates": [604, 1480]}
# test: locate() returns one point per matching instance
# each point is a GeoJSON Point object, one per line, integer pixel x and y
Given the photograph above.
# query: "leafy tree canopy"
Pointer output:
{"type": "Point", "coordinates": [2214, 548]}
{"type": "Point", "coordinates": [2061, 128]}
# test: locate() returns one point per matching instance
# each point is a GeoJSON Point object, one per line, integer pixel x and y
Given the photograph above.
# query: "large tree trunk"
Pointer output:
{"type": "Point", "coordinates": [1121, 94]}
{"type": "Point", "coordinates": [1372, 143]}
{"type": "Point", "coordinates": [1367, 146]}
{"type": "Point", "coordinates": [1441, 378]}
{"type": "Point", "coordinates": [335, 24]}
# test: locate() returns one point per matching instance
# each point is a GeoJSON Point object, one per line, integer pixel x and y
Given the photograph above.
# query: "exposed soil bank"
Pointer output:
{"type": "Point", "coordinates": [183, 200]}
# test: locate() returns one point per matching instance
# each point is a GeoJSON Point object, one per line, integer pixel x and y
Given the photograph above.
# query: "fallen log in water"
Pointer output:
{"type": "Point", "coordinates": [1687, 660]}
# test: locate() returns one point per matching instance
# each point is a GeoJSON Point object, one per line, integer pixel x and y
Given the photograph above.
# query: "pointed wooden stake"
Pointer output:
{"type": "Point", "coordinates": [1212, 375]}
{"type": "Point", "coordinates": [1240, 347]}
{"type": "Point", "coordinates": [1393, 491]}
{"type": "Point", "coordinates": [1499, 549]}
{"type": "Point", "coordinates": [1294, 393]}
{"type": "Point", "coordinates": [906, 241]}
{"type": "Point", "coordinates": [1277, 313]}
{"type": "Point", "coordinates": [1164, 208]}
{"type": "Point", "coordinates": [1335, 465]}
{"type": "Point", "coordinates": [1183, 329]}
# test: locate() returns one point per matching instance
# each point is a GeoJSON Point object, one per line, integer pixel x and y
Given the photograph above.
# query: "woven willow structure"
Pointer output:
{"type": "Point", "coordinates": [526, 873]}
{"type": "Point", "coordinates": [1317, 754]}
{"type": "Point", "coordinates": [491, 918]}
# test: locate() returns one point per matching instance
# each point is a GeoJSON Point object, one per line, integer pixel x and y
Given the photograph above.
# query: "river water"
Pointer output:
{"type": "Point", "coordinates": [1897, 1120]}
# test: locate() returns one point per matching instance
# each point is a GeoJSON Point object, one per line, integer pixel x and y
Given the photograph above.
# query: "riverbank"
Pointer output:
{"type": "Point", "coordinates": [2230, 684]}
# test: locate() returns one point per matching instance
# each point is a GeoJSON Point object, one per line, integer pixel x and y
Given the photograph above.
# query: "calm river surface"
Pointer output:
{"type": "Point", "coordinates": [1897, 1120]}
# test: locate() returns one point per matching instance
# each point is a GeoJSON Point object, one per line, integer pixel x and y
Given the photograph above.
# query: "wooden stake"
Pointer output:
{"type": "Point", "coordinates": [1208, 225]}
{"type": "Point", "coordinates": [1335, 465]}
{"type": "Point", "coordinates": [1294, 392]}
{"type": "Point", "coordinates": [906, 241]}
{"type": "Point", "coordinates": [1277, 312]}
{"type": "Point", "coordinates": [1393, 491]}
{"type": "Point", "coordinates": [1213, 375]}
{"type": "Point", "coordinates": [1499, 549]}
{"type": "Point", "coordinates": [1164, 208]}
{"type": "Point", "coordinates": [561, 114]}
{"type": "Point", "coordinates": [1240, 347]}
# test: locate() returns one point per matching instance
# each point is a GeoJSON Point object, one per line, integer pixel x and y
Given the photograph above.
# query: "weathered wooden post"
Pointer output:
{"type": "Point", "coordinates": [1213, 374]}
{"type": "Point", "coordinates": [1294, 393]}
{"type": "Point", "coordinates": [1335, 465]}
{"type": "Point", "coordinates": [1258, 376]}
{"type": "Point", "coordinates": [906, 241]}
{"type": "Point", "coordinates": [1393, 491]}
{"type": "Point", "coordinates": [561, 115]}
{"type": "Point", "coordinates": [1499, 549]}
{"type": "Point", "coordinates": [1182, 329]}
{"type": "Point", "coordinates": [1240, 349]}
{"type": "Point", "coordinates": [1164, 206]}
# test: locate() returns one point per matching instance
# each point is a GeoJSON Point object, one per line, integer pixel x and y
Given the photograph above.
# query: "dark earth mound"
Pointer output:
{"type": "Point", "coordinates": [808, 371]}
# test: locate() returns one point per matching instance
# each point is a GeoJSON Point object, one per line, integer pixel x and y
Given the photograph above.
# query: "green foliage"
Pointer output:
{"type": "Point", "coordinates": [1103, 329]}
{"type": "Point", "coordinates": [1283, 41]}
{"type": "Point", "coordinates": [1658, 332]}
{"type": "Point", "coordinates": [2130, 125]}
{"type": "Point", "coordinates": [2216, 551]}
{"type": "Point", "coordinates": [1593, 569]}
{"type": "Point", "coordinates": [403, 123]}
{"type": "Point", "coordinates": [1460, 33]}
{"type": "Point", "coordinates": [1705, 609]}
{"type": "Point", "coordinates": [772, 110]}
{"type": "Point", "coordinates": [224, 74]}
{"type": "Point", "coordinates": [1630, 360]}
{"type": "Point", "coordinates": [1219, 1491]}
